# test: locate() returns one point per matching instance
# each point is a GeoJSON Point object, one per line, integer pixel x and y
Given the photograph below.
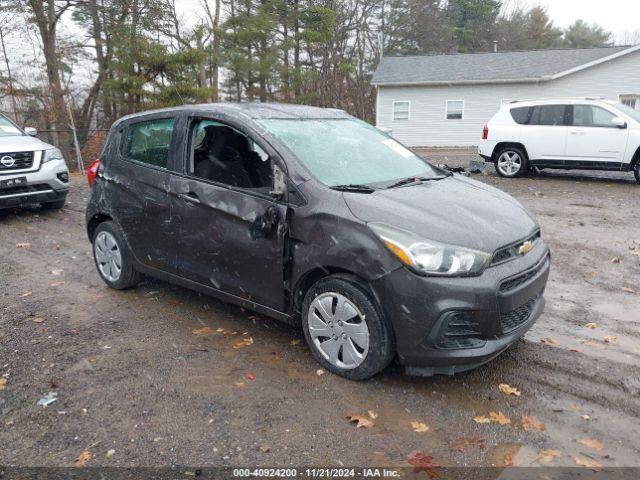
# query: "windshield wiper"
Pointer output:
{"type": "Point", "coordinates": [354, 188]}
{"type": "Point", "coordinates": [413, 180]}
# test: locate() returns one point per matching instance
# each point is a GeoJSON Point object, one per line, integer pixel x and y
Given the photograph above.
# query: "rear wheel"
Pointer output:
{"type": "Point", "coordinates": [345, 330]}
{"type": "Point", "coordinates": [511, 162]}
{"type": "Point", "coordinates": [112, 257]}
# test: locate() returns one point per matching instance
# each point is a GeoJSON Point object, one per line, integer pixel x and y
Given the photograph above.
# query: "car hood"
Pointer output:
{"type": "Point", "coordinates": [455, 210]}
{"type": "Point", "coordinates": [21, 143]}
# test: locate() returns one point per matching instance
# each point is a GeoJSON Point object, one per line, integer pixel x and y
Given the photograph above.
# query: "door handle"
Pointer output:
{"type": "Point", "coordinates": [189, 197]}
{"type": "Point", "coordinates": [577, 132]}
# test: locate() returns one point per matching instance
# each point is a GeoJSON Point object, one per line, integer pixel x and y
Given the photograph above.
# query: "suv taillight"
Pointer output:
{"type": "Point", "coordinates": [92, 171]}
{"type": "Point", "coordinates": [485, 132]}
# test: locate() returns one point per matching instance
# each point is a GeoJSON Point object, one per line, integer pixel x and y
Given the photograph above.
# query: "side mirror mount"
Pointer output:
{"type": "Point", "coordinates": [279, 183]}
{"type": "Point", "coordinates": [31, 131]}
{"type": "Point", "coordinates": [619, 122]}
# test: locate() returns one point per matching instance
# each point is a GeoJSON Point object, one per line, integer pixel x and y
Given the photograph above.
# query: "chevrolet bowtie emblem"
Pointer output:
{"type": "Point", "coordinates": [525, 248]}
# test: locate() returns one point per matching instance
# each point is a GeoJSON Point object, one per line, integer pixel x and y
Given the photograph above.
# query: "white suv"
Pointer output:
{"type": "Point", "coordinates": [586, 134]}
{"type": "Point", "coordinates": [31, 171]}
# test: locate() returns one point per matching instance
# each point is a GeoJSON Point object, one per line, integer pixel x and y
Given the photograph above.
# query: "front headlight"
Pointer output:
{"type": "Point", "coordinates": [52, 154]}
{"type": "Point", "coordinates": [429, 257]}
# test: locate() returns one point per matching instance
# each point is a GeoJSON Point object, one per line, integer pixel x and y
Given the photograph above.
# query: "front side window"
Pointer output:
{"type": "Point", "coordinates": [591, 116]}
{"type": "Point", "coordinates": [401, 110]}
{"type": "Point", "coordinates": [348, 151]}
{"type": "Point", "coordinates": [222, 154]}
{"type": "Point", "coordinates": [148, 142]}
{"type": "Point", "coordinates": [7, 128]}
{"type": "Point", "coordinates": [455, 109]}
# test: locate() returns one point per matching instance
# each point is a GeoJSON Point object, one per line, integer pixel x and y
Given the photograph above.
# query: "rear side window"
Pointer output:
{"type": "Point", "coordinates": [148, 142]}
{"type": "Point", "coordinates": [521, 115]}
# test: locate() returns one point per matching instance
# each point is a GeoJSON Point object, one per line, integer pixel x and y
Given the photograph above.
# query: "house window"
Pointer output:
{"type": "Point", "coordinates": [455, 109]}
{"type": "Point", "coordinates": [401, 110]}
{"type": "Point", "coordinates": [632, 101]}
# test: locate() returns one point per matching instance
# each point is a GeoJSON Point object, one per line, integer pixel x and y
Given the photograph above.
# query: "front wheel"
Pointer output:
{"type": "Point", "coordinates": [345, 330]}
{"type": "Point", "coordinates": [511, 162]}
{"type": "Point", "coordinates": [112, 257]}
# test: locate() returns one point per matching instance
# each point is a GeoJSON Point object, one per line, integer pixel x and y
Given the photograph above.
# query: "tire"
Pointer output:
{"type": "Point", "coordinates": [333, 303]}
{"type": "Point", "coordinates": [636, 171]}
{"type": "Point", "coordinates": [57, 205]}
{"type": "Point", "coordinates": [508, 158]}
{"type": "Point", "coordinates": [110, 252]}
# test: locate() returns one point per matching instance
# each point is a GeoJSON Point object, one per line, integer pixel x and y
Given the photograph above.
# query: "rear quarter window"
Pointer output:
{"type": "Point", "coordinates": [521, 115]}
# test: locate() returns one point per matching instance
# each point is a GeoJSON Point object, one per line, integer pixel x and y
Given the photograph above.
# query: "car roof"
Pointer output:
{"type": "Point", "coordinates": [561, 101]}
{"type": "Point", "coordinates": [254, 111]}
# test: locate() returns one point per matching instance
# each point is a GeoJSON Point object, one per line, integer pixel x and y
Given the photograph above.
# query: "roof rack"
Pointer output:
{"type": "Point", "coordinates": [559, 99]}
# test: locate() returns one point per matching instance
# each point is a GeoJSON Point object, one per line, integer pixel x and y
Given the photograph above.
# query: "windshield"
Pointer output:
{"type": "Point", "coordinates": [348, 151]}
{"type": "Point", "coordinates": [7, 128]}
{"type": "Point", "coordinates": [634, 114]}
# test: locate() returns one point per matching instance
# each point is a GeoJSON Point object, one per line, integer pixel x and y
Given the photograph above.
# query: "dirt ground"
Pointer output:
{"type": "Point", "coordinates": [141, 381]}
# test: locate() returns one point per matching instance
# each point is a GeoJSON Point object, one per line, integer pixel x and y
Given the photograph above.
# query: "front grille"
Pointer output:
{"type": "Point", "coordinates": [512, 251]}
{"type": "Point", "coordinates": [461, 333]}
{"type": "Point", "coordinates": [21, 161]}
{"type": "Point", "coordinates": [515, 282]}
{"type": "Point", "coordinates": [515, 318]}
{"type": "Point", "coordinates": [40, 187]}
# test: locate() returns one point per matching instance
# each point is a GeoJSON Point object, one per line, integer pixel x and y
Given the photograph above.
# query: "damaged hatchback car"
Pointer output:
{"type": "Point", "coordinates": [318, 219]}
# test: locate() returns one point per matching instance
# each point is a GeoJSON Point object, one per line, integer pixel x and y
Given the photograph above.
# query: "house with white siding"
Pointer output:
{"type": "Point", "coordinates": [445, 100]}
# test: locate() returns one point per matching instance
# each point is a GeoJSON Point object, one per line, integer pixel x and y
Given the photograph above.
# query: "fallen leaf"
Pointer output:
{"type": "Point", "coordinates": [508, 460]}
{"type": "Point", "coordinates": [529, 423]}
{"type": "Point", "coordinates": [419, 427]}
{"type": "Point", "coordinates": [591, 343]}
{"type": "Point", "coordinates": [548, 341]}
{"type": "Point", "coordinates": [587, 463]}
{"type": "Point", "coordinates": [56, 284]}
{"type": "Point", "coordinates": [481, 419]}
{"type": "Point", "coordinates": [507, 390]}
{"type": "Point", "coordinates": [615, 260]}
{"type": "Point", "coordinates": [245, 342]}
{"type": "Point", "coordinates": [239, 384]}
{"type": "Point", "coordinates": [588, 442]}
{"type": "Point", "coordinates": [320, 372]}
{"type": "Point", "coordinates": [111, 453]}
{"type": "Point", "coordinates": [202, 331]}
{"type": "Point", "coordinates": [585, 417]}
{"type": "Point", "coordinates": [628, 290]}
{"type": "Point", "coordinates": [38, 320]}
{"type": "Point", "coordinates": [294, 342]}
{"type": "Point", "coordinates": [3, 383]}
{"type": "Point", "coordinates": [250, 376]}
{"type": "Point", "coordinates": [373, 414]}
{"type": "Point", "coordinates": [264, 448]}
{"type": "Point", "coordinates": [26, 294]}
{"type": "Point", "coordinates": [361, 421]}
{"type": "Point", "coordinates": [423, 463]}
{"type": "Point", "coordinates": [83, 458]}
{"type": "Point", "coordinates": [610, 339]}
{"type": "Point", "coordinates": [500, 418]}
{"type": "Point", "coordinates": [23, 245]}
{"type": "Point", "coordinates": [547, 456]}
{"type": "Point", "coordinates": [591, 325]}
{"type": "Point", "coordinates": [463, 443]}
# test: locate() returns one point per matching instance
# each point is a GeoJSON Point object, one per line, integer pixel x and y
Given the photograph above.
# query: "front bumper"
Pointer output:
{"type": "Point", "coordinates": [42, 186]}
{"type": "Point", "coordinates": [430, 314]}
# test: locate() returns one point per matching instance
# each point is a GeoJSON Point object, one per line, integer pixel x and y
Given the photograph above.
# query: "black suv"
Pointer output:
{"type": "Point", "coordinates": [316, 218]}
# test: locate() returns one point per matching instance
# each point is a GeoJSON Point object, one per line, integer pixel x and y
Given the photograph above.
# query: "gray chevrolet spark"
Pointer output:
{"type": "Point", "coordinates": [320, 220]}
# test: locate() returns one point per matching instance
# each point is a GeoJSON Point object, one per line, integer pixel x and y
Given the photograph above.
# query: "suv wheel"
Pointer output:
{"type": "Point", "coordinates": [511, 162]}
{"type": "Point", "coordinates": [112, 258]}
{"type": "Point", "coordinates": [636, 171]}
{"type": "Point", "coordinates": [345, 329]}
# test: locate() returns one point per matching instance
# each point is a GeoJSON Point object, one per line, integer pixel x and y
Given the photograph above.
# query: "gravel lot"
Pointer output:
{"type": "Point", "coordinates": [151, 377]}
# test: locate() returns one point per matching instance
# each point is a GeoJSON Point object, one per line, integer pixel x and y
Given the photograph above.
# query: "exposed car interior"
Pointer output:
{"type": "Point", "coordinates": [223, 155]}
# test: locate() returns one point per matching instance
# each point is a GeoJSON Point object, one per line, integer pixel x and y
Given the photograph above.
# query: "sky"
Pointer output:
{"type": "Point", "coordinates": [617, 16]}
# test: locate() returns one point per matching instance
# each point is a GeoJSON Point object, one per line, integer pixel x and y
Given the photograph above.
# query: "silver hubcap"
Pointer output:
{"type": "Point", "coordinates": [509, 163]}
{"type": "Point", "coordinates": [338, 330]}
{"type": "Point", "coordinates": [108, 256]}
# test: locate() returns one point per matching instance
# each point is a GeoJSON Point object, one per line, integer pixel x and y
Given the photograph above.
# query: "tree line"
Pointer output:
{"type": "Point", "coordinates": [144, 54]}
